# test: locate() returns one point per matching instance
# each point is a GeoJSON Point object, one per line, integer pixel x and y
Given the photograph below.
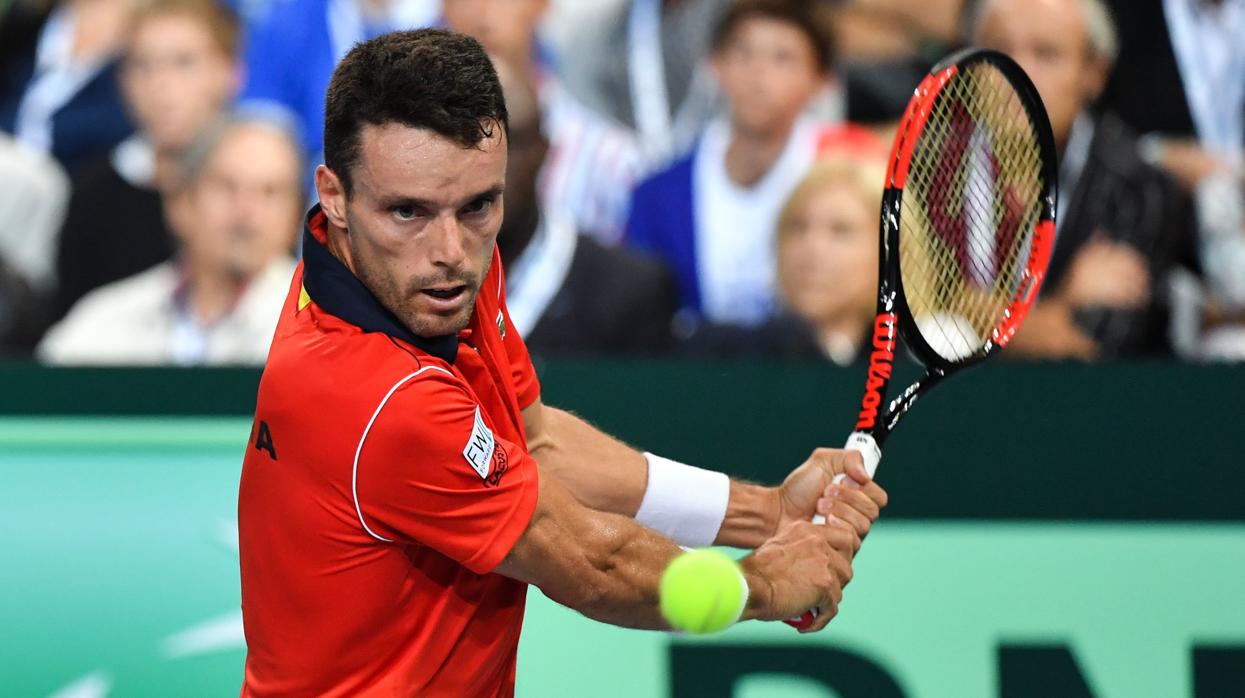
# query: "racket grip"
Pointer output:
{"type": "Point", "coordinates": [872, 455]}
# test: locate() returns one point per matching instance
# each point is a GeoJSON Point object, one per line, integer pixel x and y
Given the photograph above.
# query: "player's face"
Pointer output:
{"type": "Point", "coordinates": [176, 78]}
{"type": "Point", "coordinates": [245, 206]}
{"type": "Point", "coordinates": [422, 222]}
{"type": "Point", "coordinates": [769, 73]}
{"type": "Point", "coordinates": [827, 257]}
{"type": "Point", "coordinates": [1049, 39]}
{"type": "Point", "coordinates": [505, 28]}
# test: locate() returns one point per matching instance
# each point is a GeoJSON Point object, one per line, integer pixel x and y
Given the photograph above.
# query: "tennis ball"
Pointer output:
{"type": "Point", "coordinates": [702, 591]}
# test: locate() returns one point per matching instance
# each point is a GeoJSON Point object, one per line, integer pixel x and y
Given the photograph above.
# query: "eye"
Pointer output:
{"type": "Point", "coordinates": [405, 213]}
{"type": "Point", "coordinates": [479, 207]}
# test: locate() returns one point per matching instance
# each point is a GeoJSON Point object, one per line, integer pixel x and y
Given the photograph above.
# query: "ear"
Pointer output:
{"type": "Point", "coordinates": [332, 196]}
{"type": "Point", "coordinates": [1094, 79]}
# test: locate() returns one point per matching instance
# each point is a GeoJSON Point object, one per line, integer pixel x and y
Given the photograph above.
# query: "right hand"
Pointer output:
{"type": "Point", "coordinates": [1107, 274]}
{"type": "Point", "coordinates": [804, 566]}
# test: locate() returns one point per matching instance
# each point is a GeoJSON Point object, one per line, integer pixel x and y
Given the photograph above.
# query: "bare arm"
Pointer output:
{"type": "Point", "coordinates": [607, 475]}
{"type": "Point", "coordinates": [608, 567]}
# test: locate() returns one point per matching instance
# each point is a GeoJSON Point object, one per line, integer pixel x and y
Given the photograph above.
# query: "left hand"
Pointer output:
{"type": "Point", "coordinates": [855, 503]}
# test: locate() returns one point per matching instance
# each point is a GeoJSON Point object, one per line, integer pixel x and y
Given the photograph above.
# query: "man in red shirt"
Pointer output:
{"type": "Point", "coordinates": [405, 483]}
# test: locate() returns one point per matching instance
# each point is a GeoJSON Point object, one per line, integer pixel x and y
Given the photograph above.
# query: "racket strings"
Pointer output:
{"type": "Point", "coordinates": [970, 205]}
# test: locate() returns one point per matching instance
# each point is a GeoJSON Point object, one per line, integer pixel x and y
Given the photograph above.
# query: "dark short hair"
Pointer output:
{"type": "Point", "coordinates": [809, 16]}
{"type": "Point", "coordinates": [428, 78]}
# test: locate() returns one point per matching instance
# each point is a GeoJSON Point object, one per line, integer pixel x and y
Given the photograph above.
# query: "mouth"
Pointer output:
{"type": "Point", "coordinates": [445, 298]}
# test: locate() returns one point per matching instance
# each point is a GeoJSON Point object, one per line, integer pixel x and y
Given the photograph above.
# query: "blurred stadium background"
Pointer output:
{"type": "Point", "coordinates": [1090, 544]}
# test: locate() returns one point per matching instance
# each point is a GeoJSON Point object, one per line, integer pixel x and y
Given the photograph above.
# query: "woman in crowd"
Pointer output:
{"type": "Point", "coordinates": [827, 247]}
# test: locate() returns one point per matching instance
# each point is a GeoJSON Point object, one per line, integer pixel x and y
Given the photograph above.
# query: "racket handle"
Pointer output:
{"type": "Point", "coordinates": [872, 454]}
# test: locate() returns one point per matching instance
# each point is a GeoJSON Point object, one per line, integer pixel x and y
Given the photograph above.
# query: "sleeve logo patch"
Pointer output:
{"type": "Point", "coordinates": [479, 449]}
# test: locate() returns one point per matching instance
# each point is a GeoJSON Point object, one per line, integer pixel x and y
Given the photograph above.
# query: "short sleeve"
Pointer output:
{"type": "Point", "coordinates": [432, 470]}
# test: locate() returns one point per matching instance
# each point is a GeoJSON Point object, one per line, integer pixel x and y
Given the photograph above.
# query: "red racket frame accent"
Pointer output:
{"type": "Point", "coordinates": [894, 318]}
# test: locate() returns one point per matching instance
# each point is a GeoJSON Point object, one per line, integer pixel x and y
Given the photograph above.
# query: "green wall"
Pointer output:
{"type": "Point", "coordinates": [1090, 543]}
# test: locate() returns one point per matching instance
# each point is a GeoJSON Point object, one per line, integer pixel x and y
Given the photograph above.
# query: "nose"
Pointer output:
{"type": "Point", "coordinates": [447, 244]}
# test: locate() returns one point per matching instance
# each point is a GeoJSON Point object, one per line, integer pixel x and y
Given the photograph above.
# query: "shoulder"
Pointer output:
{"type": "Point", "coordinates": [677, 173]}
{"type": "Point", "coordinates": [784, 337]}
{"type": "Point", "coordinates": [105, 323]}
{"type": "Point", "coordinates": [140, 293]}
{"type": "Point", "coordinates": [616, 264]}
{"type": "Point", "coordinates": [429, 405]}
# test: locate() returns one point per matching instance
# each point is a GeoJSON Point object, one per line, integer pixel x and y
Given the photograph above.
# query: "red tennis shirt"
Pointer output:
{"type": "Point", "coordinates": [386, 477]}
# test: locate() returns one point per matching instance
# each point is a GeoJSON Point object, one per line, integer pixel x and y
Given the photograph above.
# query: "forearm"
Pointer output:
{"type": "Point", "coordinates": [607, 475]}
{"type": "Point", "coordinates": [616, 575]}
{"type": "Point", "coordinates": [603, 565]}
{"type": "Point", "coordinates": [601, 472]}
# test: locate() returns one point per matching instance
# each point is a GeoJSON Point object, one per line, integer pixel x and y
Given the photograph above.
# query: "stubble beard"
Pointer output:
{"type": "Point", "coordinates": [403, 301]}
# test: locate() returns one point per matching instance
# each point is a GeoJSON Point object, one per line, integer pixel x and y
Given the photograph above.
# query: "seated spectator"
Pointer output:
{"type": "Point", "coordinates": [710, 216]}
{"type": "Point", "coordinates": [235, 211]}
{"type": "Point", "coordinates": [1119, 220]}
{"type": "Point", "coordinates": [1180, 82]}
{"type": "Point", "coordinates": [32, 204]}
{"type": "Point", "coordinates": [179, 70]}
{"type": "Point", "coordinates": [827, 255]}
{"type": "Point", "coordinates": [291, 53]}
{"type": "Point", "coordinates": [592, 163]}
{"type": "Point", "coordinates": [567, 293]}
{"type": "Point", "coordinates": [58, 64]}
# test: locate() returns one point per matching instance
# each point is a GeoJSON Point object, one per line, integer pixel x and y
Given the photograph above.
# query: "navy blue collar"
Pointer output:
{"type": "Point", "coordinates": [339, 292]}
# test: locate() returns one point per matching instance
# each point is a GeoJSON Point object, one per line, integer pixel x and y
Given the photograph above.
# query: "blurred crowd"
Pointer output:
{"type": "Point", "coordinates": [687, 177]}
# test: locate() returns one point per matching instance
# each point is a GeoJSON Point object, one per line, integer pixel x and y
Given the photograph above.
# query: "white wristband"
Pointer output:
{"type": "Point", "coordinates": [684, 502]}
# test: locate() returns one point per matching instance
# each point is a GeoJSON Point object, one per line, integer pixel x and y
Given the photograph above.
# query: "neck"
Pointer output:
{"type": "Point", "coordinates": [339, 246]}
{"type": "Point", "coordinates": [165, 174]}
{"type": "Point", "coordinates": [752, 154]}
{"type": "Point", "coordinates": [210, 294]}
{"type": "Point", "coordinates": [850, 327]}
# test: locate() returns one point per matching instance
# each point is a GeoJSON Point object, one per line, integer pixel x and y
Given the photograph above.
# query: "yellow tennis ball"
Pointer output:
{"type": "Point", "coordinates": [703, 591]}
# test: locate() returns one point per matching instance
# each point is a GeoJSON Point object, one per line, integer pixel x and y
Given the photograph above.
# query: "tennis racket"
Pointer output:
{"type": "Point", "coordinates": [968, 219]}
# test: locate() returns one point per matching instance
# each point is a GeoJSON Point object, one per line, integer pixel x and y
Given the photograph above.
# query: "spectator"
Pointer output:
{"type": "Point", "coordinates": [710, 216]}
{"type": "Point", "coordinates": [1221, 207]}
{"type": "Point", "coordinates": [1180, 81]}
{"type": "Point", "coordinates": [32, 203]}
{"type": "Point", "coordinates": [592, 163]}
{"type": "Point", "coordinates": [827, 257]}
{"type": "Point", "coordinates": [642, 65]}
{"type": "Point", "coordinates": [828, 253]}
{"type": "Point", "coordinates": [58, 69]}
{"type": "Point", "coordinates": [568, 293]}
{"type": "Point", "coordinates": [291, 53]}
{"type": "Point", "coordinates": [1119, 220]}
{"type": "Point", "coordinates": [235, 212]}
{"type": "Point", "coordinates": [180, 69]}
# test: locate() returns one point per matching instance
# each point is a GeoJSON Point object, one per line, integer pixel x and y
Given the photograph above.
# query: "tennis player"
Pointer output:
{"type": "Point", "coordinates": [404, 483]}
